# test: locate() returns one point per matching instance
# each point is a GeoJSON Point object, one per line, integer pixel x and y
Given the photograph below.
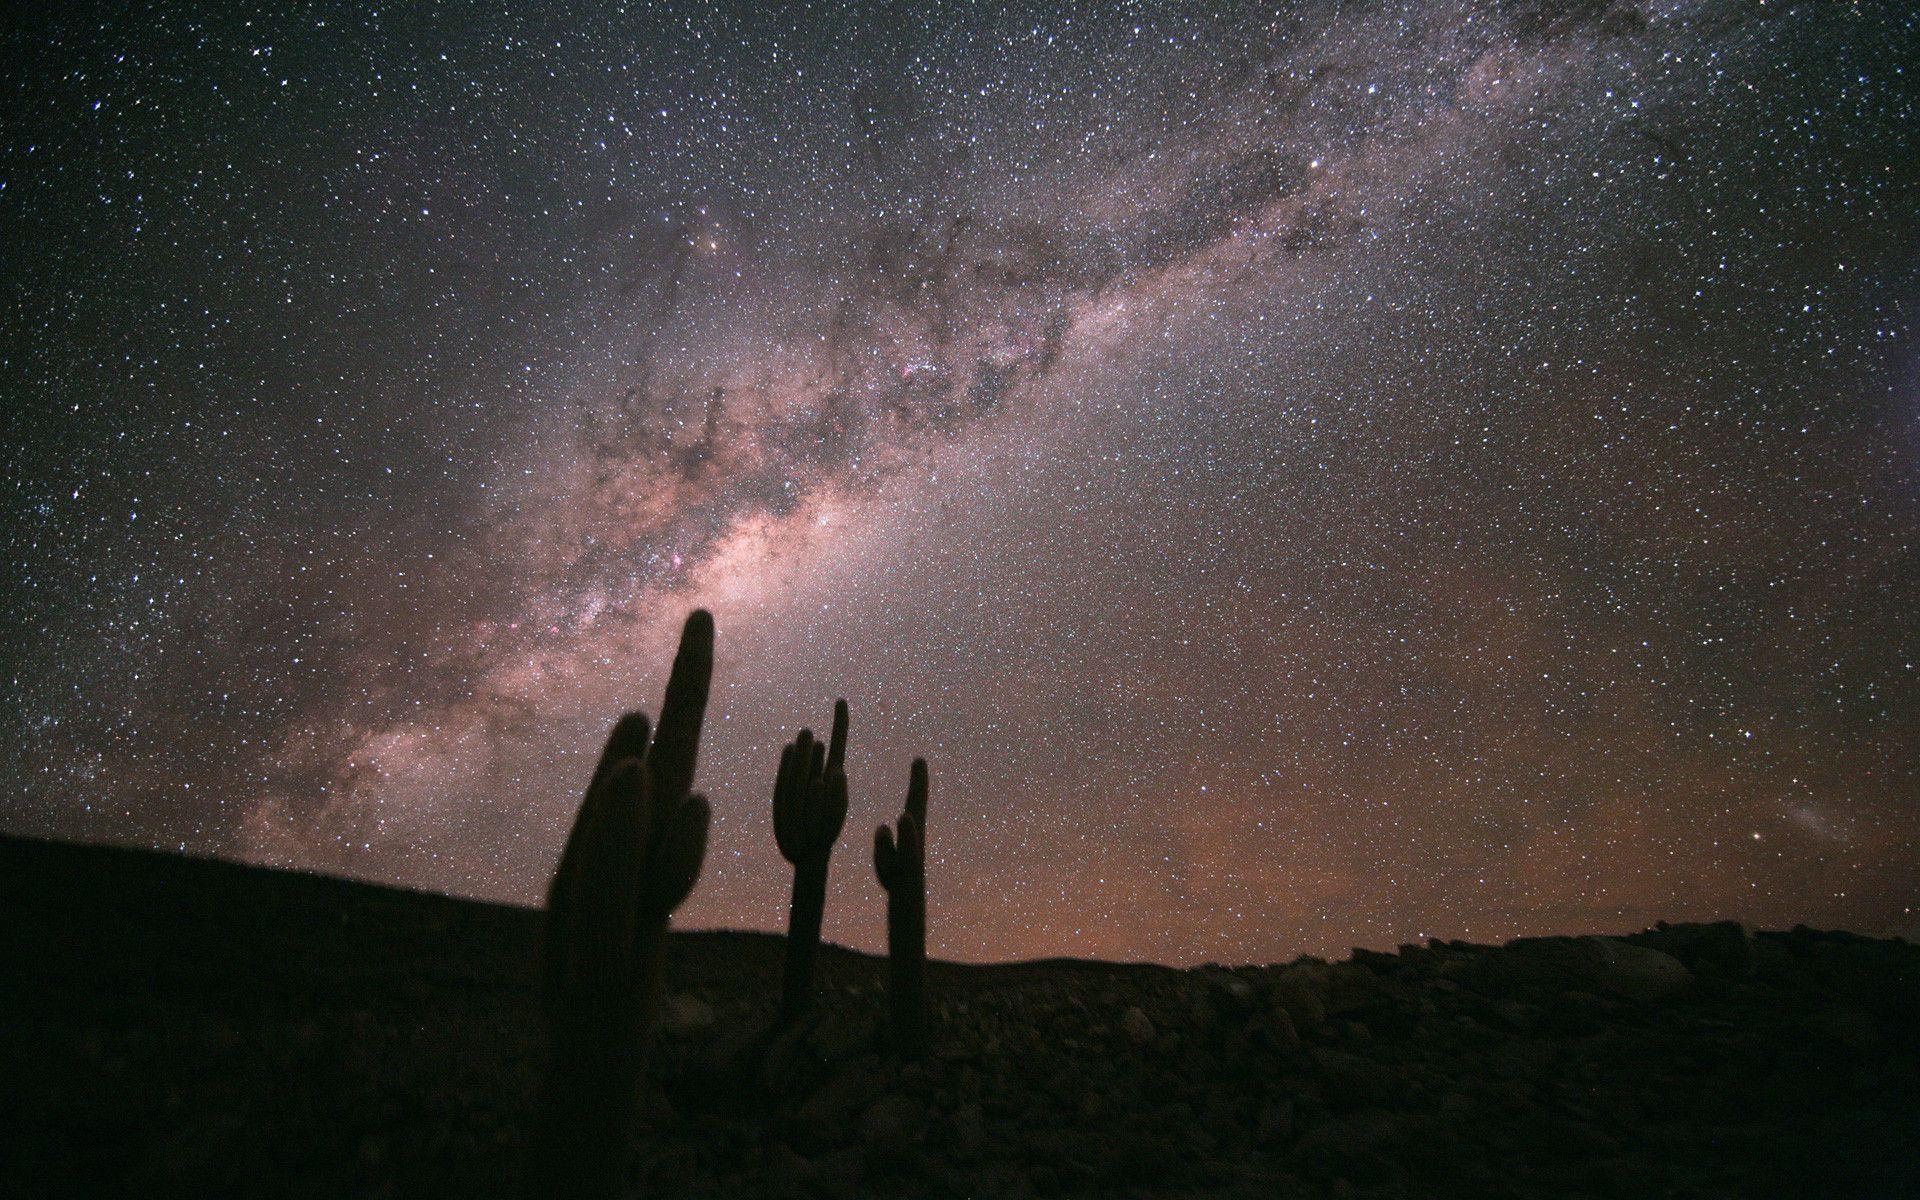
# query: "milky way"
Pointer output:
{"type": "Point", "coordinates": [1311, 477]}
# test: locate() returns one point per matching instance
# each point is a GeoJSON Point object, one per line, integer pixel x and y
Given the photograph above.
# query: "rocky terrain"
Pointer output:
{"type": "Point", "coordinates": [172, 1027]}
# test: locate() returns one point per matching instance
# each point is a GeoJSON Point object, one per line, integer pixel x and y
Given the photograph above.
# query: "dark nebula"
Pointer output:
{"type": "Point", "coordinates": [1303, 478]}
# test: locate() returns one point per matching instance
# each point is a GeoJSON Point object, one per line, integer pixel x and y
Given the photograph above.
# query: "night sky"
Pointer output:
{"type": "Point", "coordinates": [1305, 476]}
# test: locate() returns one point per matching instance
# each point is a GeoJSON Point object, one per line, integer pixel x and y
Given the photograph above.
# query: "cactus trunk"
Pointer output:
{"type": "Point", "coordinates": [634, 853]}
{"type": "Point", "coordinates": [809, 808]}
{"type": "Point", "coordinates": [900, 862]}
{"type": "Point", "coordinates": [907, 967]}
{"type": "Point", "coordinates": [804, 916]}
{"type": "Point", "coordinates": [591, 1103]}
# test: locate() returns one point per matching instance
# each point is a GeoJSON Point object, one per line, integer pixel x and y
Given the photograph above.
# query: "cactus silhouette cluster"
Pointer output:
{"type": "Point", "coordinates": [900, 860]}
{"type": "Point", "coordinates": [809, 809]}
{"type": "Point", "coordinates": [634, 854]}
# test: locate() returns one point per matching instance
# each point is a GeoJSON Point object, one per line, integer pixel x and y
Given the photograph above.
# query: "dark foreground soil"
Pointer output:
{"type": "Point", "coordinates": [172, 1027]}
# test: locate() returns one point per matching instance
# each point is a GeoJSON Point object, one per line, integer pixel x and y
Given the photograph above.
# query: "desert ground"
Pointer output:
{"type": "Point", "coordinates": [180, 1027]}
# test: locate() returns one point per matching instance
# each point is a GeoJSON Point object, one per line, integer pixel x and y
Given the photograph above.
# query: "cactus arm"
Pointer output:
{"type": "Point", "coordinates": [837, 743]}
{"type": "Point", "coordinates": [676, 739]}
{"type": "Point", "coordinates": [917, 793]}
{"type": "Point", "coordinates": [785, 835]}
{"type": "Point", "coordinates": [598, 960]}
{"type": "Point", "coordinates": [682, 850]}
{"type": "Point", "coordinates": [885, 858]}
{"type": "Point", "coordinates": [832, 817]}
{"type": "Point", "coordinates": [590, 912]}
{"type": "Point", "coordinates": [627, 741]}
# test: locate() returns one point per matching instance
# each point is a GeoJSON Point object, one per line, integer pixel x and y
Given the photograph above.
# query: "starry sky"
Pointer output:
{"type": "Point", "coordinates": [1305, 475]}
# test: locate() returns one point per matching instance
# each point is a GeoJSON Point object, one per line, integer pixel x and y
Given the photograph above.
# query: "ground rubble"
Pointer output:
{"type": "Point", "coordinates": [179, 1028]}
{"type": "Point", "coordinates": [1686, 1060]}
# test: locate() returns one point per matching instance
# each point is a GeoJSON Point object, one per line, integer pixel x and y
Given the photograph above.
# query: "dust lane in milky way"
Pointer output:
{"type": "Point", "coordinates": [1303, 480]}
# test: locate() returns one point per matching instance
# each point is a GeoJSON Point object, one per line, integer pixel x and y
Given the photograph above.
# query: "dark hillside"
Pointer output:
{"type": "Point", "coordinates": [172, 1026]}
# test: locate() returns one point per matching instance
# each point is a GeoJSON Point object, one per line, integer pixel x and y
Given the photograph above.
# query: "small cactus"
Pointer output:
{"type": "Point", "coordinates": [634, 854]}
{"type": "Point", "coordinates": [900, 860]}
{"type": "Point", "coordinates": [809, 808]}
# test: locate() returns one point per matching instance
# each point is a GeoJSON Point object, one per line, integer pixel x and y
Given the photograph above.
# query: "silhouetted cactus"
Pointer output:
{"type": "Point", "coordinates": [900, 860]}
{"type": "Point", "coordinates": [809, 808]}
{"type": "Point", "coordinates": [634, 854]}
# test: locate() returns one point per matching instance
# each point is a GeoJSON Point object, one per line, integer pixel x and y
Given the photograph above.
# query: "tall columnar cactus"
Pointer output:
{"type": "Point", "coordinates": [809, 808]}
{"type": "Point", "coordinates": [900, 860]}
{"type": "Point", "coordinates": [634, 854]}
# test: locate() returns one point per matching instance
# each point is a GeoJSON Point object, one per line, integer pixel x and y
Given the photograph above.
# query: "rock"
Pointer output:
{"type": "Point", "coordinates": [1300, 995]}
{"type": "Point", "coordinates": [1199, 1144]}
{"type": "Point", "coordinates": [1276, 1120]}
{"type": "Point", "coordinates": [788, 1065]}
{"type": "Point", "coordinates": [1846, 1026]}
{"type": "Point", "coordinates": [1864, 1134]}
{"type": "Point", "coordinates": [1350, 988]}
{"type": "Point", "coordinates": [1515, 1015]}
{"type": "Point", "coordinates": [1354, 1082]}
{"type": "Point", "coordinates": [966, 1131]}
{"type": "Point", "coordinates": [1639, 973]}
{"type": "Point", "coordinates": [1456, 1106]}
{"type": "Point", "coordinates": [841, 1035]}
{"type": "Point", "coordinates": [891, 1125]}
{"type": "Point", "coordinates": [1608, 966]}
{"type": "Point", "coordinates": [1138, 1026]}
{"type": "Point", "coordinates": [826, 1117]}
{"type": "Point", "coordinates": [1278, 1028]}
{"type": "Point", "coordinates": [1721, 948]}
{"type": "Point", "coordinates": [1349, 1144]}
{"type": "Point", "coordinates": [1229, 991]}
{"type": "Point", "coordinates": [1379, 963]}
{"type": "Point", "coordinates": [657, 1166]}
{"type": "Point", "coordinates": [658, 1109]}
{"type": "Point", "coordinates": [1219, 995]}
{"type": "Point", "coordinates": [689, 1015]}
{"type": "Point", "coordinates": [1003, 1181]}
{"type": "Point", "coordinates": [837, 1175]}
{"type": "Point", "coordinates": [787, 1172]}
